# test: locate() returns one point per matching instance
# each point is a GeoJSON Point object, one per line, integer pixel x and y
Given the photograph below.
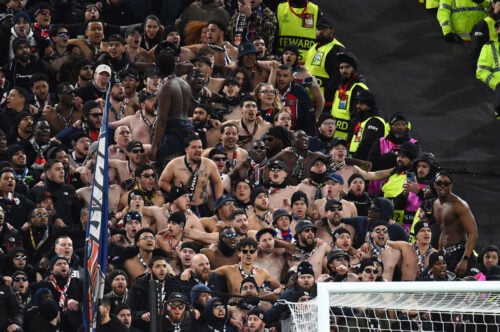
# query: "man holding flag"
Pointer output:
{"type": "Point", "coordinates": [97, 230]}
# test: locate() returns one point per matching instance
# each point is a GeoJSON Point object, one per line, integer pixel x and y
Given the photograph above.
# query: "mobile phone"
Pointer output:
{"type": "Point", "coordinates": [410, 177]}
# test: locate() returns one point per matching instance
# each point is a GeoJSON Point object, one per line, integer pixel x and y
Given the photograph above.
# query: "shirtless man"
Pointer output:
{"type": "Point", "coordinates": [329, 224]}
{"type": "Point", "coordinates": [299, 159]}
{"type": "Point", "coordinates": [143, 122]}
{"type": "Point", "coordinates": [114, 193]}
{"type": "Point", "coordinates": [422, 246]}
{"type": "Point", "coordinates": [247, 252]}
{"type": "Point", "coordinates": [174, 98]}
{"type": "Point", "coordinates": [225, 53]}
{"type": "Point", "coordinates": [262, 216]}
{"type": "Point", "coordinates": [194, 172]}
{"type": "Point", "coordinates": [229, 139]}
{"type": "Point", "coordinates": [224, 206]}
{"type": "Point", "coordinates": [138, 264]}
{"type": "Point", "coordinates": [225, 253]}
{"type": "Point", "coordinates": [458, 226]}
{"type": "Point", "coordinates": [122, 138]}
{"type": "Point", "coordinates": [145, 180]}
{"type": "Point", "coordinates": [171, 238]}
{"type": "Point", "coordinates": [66, 112]}
{"type": "Point", "coordinates": [135, 155]}
{"type": "Point", "coordinates": [333, 190]}
{"type": "Point", "coordinates": [150, 219]}
{"type": "Point", "coordinates": [178, 201]}
{"type": "Point", "coordinates": [405, 261]}
{"type": "Point", "coordinates": [268, 256]}
{"type": "Point", "coordinates": [306, 248]}
{"type": "Point", "coordinates": [279, 190]}
{"type": "Point", "coordinates": [250, 126]}
{"type": "Point", "coordinates": [209, 135]}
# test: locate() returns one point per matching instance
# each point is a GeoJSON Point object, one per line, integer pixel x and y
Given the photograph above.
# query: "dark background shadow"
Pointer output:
{"type": "Point", "coordinates": [411, 69]}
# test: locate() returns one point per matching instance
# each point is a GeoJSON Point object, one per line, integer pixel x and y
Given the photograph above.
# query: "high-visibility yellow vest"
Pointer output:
{"type": "Point", "coordinates": [341, 111]}
{"type": "Point", "coordinates": [357, 136]}
{"type": "Point", "coordinates": [488, 65]}
{"type": "Point", "coordinates": [315, 62]}
{"type": "Point", "coordinates": [297, 30]}
{"type": "Point", "coordinates": [460, 16]}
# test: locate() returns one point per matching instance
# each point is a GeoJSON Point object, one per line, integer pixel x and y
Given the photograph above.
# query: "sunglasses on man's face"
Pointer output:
{"type": "Point", "coordinates": [149, 175]}
{"type": "Point", "coordinates": [20, 279]}
{"type": "Point", "coordinates": [442, 183]}
{"type": "Point", "coordinates": [229, 235]}
{"type": "Point", "coordinates": [370, 271]}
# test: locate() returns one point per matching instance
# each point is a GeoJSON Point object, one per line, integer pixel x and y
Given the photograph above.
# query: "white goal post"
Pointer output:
{"type": "Point", "coordinates": [452, 302]}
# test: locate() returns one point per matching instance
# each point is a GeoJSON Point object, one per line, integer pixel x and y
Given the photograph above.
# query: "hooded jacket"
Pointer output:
{"type": "Point", "coordinates": [210, 323]}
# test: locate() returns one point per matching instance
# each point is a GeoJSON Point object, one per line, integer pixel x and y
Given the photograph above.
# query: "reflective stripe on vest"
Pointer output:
{"type": "Point", "coordinates": [358, 136]}
{"type": "Point", "coordinates": [292, 31]}
{"type": "Point", "coordinates": [341, 111]}
{"type": "Point", "coordinates": [315, 62]}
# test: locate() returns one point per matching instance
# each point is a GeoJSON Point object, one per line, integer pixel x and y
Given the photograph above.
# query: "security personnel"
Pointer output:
{"type": "Point", "coordinates": [351, 82]}
{"type": "Point", "coordinates": [430, 4]}
{"type": "Point", "coordinates": [457, 17]}
{"type": "Point", "coordinates": [484, 30]}
{"type": "Point", "coordinates": [488, 68]}
{"type": "Point", "coordinates": [369, 126]}
{"type": "Point", "coordinates": [297, 25]}
{"type": "Point", "coordinates": [321, 60]}
{"type": "Point", "coordinates": [405, 202]}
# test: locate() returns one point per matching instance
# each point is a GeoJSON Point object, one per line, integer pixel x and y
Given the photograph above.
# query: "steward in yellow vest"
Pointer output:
{"type": "Point", "coordinates": [484, 31]}
{"type": "Point", "coordinates": [368, 126]}
{"type": "Point", "coordinates": [297, 25]}
{"type": "Point", "coordinates": [321, 59]}
{"type": "Point", "coordinates": [457, 17]}
{"type": "Point", "coordinates": [344, 107]}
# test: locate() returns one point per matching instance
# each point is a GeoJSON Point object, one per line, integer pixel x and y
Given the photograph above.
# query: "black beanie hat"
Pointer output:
{"type": "Point", "coordinates": [179, 218]}
{"type": "Point", "coordinates": [299, 196]}
{"type": "Point", "coordinates": [48, 309]}
{"type": "Point", "coordinates": [305, 268]}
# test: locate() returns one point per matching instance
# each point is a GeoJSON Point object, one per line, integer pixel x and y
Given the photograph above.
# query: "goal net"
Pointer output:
{"type": "Point", "coordinates": [304, 316]}
{"type": "Point", "coordinates": [458, 306]}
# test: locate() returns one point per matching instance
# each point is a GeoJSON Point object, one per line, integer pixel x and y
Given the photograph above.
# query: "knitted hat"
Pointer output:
{"type": "Point", "coordinates": [12, 150]}
{"type": "Point", "coordinates": [348, 57]}
{"type": "Point", "coordinates": [249, 279]}
{"type": "Point", "coordinates": [256, 192]}
{"type": "Point", "coordinates": [376, 223]}
{"type": "Point", "coordinates": [419, 225]}
{"type": "Point", "coordinates": [135, 192]}
{"type": "Point", "coordinates": [305, 268]}
{"type": "Point", "coordinates": [353, 177]}
{"type": "Point", "coordinates": [299, 196]}
{"type": "Point", "coordinates": [339, 231]}
{"type": "Point", "coordinates": [179, 218]}
{"type": "Point", "coordinates": [397, 116]}
{"type": "Point", "coordinates": [175, 193]}
{"type": "Point", "coordinates": [324, 116]}
{"type": "Point", "coordinates": [190, 245]}
{"type": "Point", "coordinates": [22, 15]}
{"type": "Point", "coordinates": [54, 260]}
{"type": "Point", "coordinates": [435, 257]}
{"type": "Point", "coordinates": [116, 273]}
{"type": "Point", "coordinates": [18, 42]}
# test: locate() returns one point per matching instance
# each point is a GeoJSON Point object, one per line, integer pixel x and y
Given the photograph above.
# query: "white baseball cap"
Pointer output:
{"type": "Point", "coordinates": [103, 68]}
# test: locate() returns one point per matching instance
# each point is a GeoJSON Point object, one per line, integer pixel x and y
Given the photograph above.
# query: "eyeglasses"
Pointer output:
{"type": "Point", "coordinates": [45, 12]}
{"type": "Point", "coordinates": [268, 92]}
{"type": "Point", "coordinates": [228, 203]}
{"type": "Point", "coordinates": [219, 159]}
{"type": "Point", "coordinates": [177, 306]}
{"type": "Point", "coordinates": [248, 251]}
{"type": "Point", "coordinates": [341, 258]}
{"type": "Point", "coordinates": [20, 279]}
{"type": "Point", "coordinates": [18, 258]}
{"type": "Point", "coordinates": [245, 288]}
{"type": "Point", "coordinates": [39, 215]}
{"type": "Point", "coordinates": [370, 271]}
{"type": "Point", "coordinates": [96, 115]}
{"type": "Point", "coordinates": [149, 175]}
{"type": "Point", "coordinates": [63, 34]}
{"type": "Point", "coordinates": [151, 238]}
{"type": "Point", "coordinates": [269, 139]}
{"type": "Point", "coordinates": [335, 208]}
{"type": "Point", "coordinates": [258, 147]}
{"type": "Point", "coordinates": [381, 230]}
{"type": "Point", "coordinates": [137, 151]}
{"type": "Point", "coordinates": [442, 183]}
{"type": "Point", "coordinates": [219, 306]}
{"type": "Point", "coordinates": [308, 229]}
{"type": "Point", "coordinates": [87, 67]}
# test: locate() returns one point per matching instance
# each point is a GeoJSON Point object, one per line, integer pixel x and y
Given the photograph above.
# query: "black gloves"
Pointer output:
{"type": "Point", "coordinates": [453, 38]}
